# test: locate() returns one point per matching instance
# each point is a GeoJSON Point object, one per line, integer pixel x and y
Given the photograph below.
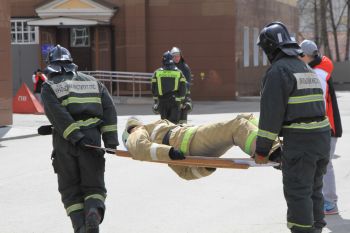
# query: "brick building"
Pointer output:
{"type": "Point", "coordinates": [217, 37]}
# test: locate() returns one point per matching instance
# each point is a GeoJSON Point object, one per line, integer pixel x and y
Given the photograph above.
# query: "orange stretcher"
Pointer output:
{"type": "Point", "coordinates": [201, 161]}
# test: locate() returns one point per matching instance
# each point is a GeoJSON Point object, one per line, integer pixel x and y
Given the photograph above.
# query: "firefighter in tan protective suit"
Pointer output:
{"type": "Point", "coordinates": [163, 140]}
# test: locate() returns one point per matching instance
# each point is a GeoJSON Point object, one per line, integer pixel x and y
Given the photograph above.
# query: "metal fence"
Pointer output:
{"type": "Point", "coordinates": [133, 84]}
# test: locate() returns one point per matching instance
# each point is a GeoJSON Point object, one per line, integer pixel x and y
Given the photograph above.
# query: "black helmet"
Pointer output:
{"type": "Point", "coordinates": [59, 53]}
{"type": "Point", "coordinates": [275, 37]}
{"type": "Point", "coordinates": [168, 59]}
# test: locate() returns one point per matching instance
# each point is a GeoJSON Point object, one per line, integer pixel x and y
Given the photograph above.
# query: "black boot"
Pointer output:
{"type": "Point", "coordinates": [94, 213]}
{"type": "Point", "coordinates": [93, 220]}
{"type": "Point", "coordinates": [78, 221]}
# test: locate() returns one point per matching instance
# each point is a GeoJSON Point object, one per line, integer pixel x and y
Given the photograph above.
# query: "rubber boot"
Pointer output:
{"type": "Point", "coordinates": [94, 213]}
{"type": "Point", "coordinates": [78, 221]}
{"type": "Point", "coordinates": [93, 220]}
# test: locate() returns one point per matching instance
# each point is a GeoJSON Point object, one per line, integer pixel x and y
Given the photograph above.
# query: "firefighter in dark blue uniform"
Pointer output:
{"type": "Point", "coordinates": [186, 71]}
{"type": "Point", "coordinates": [80, 110]}
{"type": "Point", "coordinates": [169, 89]}
{"type": "Point", "coordinates": [292, 106]}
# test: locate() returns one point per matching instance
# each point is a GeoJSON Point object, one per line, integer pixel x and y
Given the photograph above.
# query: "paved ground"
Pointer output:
{"type": "Point", "coordinates": [150, 198]}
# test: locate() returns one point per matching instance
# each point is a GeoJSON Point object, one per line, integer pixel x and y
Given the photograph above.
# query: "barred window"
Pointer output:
{"type": "Point", "coordinates": [80, 37]}
{"type": "Point", "coordinates": [22, 33]}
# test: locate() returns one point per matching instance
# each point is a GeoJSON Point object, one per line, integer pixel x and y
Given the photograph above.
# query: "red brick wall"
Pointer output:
{"type": "Point", "coordinates": [24, 8]}
{"type": "Point", "coordinates": [256, 14]}
{"type": "Point", "coordinates": [204, 31]}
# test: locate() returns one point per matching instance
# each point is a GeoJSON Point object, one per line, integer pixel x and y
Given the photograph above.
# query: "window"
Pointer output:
{"type": "Point", "coordinates": [255, 47]}
{"type": "Point", "coordinates": [80, 37]}
{"type": "Point", "coordinates": [246, 47]}
{"type": "Point", "coordinates": [22, 33]}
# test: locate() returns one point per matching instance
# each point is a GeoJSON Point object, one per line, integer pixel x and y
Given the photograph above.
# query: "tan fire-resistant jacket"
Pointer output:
{"type": "Point", "coordinates": [214, 139]}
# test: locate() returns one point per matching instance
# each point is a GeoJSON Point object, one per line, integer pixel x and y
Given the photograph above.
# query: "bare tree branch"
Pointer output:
{"type": "Point", "coordinates": [334, 28]}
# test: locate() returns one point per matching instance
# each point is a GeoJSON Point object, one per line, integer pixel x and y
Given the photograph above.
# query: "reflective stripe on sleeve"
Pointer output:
{"type": "Point", "coordinates": [70, 129]}
{"type": "Point", "coordinates": [267, 134]}
{"type": "Point", "coordinates": [159, 84]}
{"type": "Point", "coordinates": [155, 131]}
{"type": "Point", "coordinates": [311, 125]}
{"type": "Point", "coordinates": [109, 128]}
{"type": "Point", "coordinates": [78, 124]}
{"type": "Point", "coordinates": [305, 99]}
{"type": "Point", "coordinates": [176, 87]}
{"type": "Point", "coordinates": [153, 151]}
{"type": "Point", "coordinates": [249, 141]}
{"type": "Point", "coordinates": [254, 121]}
{"type": "Point", "coordinates": [88, 122]}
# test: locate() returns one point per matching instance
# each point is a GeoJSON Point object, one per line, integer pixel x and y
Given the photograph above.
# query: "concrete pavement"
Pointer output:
{"type": "Point", "coordinates": [149, 198]}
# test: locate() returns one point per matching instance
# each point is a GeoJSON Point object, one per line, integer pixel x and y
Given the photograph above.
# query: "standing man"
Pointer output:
{"type": "Point", "coordinates": [323, 67]}
{"type": "Point", "coordinates": [292, 106]}
{"type": "Point", "coordinates": [38, 79]}
{"type": "Point", "coordinates": [169, 89]}
{"type": "Point", "coordinates": [186, 71]}
{"type": "Point", "coordinates": [80, 109]}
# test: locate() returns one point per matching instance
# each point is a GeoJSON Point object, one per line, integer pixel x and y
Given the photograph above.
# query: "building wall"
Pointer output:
{"type": "Point", "coordinates": [256, 14]}
{"type": "Point", "coordinates": [204, 31]}
{"type": "Point", "coordinates": [5, 65]}
{"type": "Point", "coordinates": [24, 8]}
{"type": "Point", "coordinates": [209, 33]}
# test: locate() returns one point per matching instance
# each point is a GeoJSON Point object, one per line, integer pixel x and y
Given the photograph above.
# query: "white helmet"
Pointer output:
{"type": "Point", "coordinates": [131, 122]}
{"type": "Point", "coordinates": [175, 50]}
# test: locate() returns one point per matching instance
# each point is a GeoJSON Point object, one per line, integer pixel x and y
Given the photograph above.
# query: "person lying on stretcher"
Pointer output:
{"type": "Point", "coordinates": [163, 140]}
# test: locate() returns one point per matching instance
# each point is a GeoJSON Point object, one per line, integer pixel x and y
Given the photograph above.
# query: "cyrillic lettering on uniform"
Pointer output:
{"type": "Point", "coordinates": [66, 87]}
{"type": "Point", "coordinates": [307, 81]}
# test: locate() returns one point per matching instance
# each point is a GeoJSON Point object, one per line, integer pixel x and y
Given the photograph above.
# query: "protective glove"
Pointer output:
{"type": "Point", "coordinates": [260, 159]}
{"type": "Point", "coordinates": [45, 130]}
{"type": "Point", "coordinates": [111, 146]}
{"type": "Point", "coordinates": [85, 141]}
{"type": "Point", "coordinates": [187, 106]}
{"type": "Point", "coordinates": [176, 154]}
{"type": "Point", "coordinates": [155, 108]}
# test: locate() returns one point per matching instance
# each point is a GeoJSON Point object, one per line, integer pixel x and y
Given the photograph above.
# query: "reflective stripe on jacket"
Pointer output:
{"type": "Point", "coordinates": [165, 82]}
{"type": "Point", "coordinates": [75, 101]}
{"type": "Point", "coordinates": [291, 93]}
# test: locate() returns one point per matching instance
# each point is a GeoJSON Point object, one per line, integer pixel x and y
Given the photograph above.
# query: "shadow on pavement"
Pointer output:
{"type": "Point", "coordinates": [337, 224]}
